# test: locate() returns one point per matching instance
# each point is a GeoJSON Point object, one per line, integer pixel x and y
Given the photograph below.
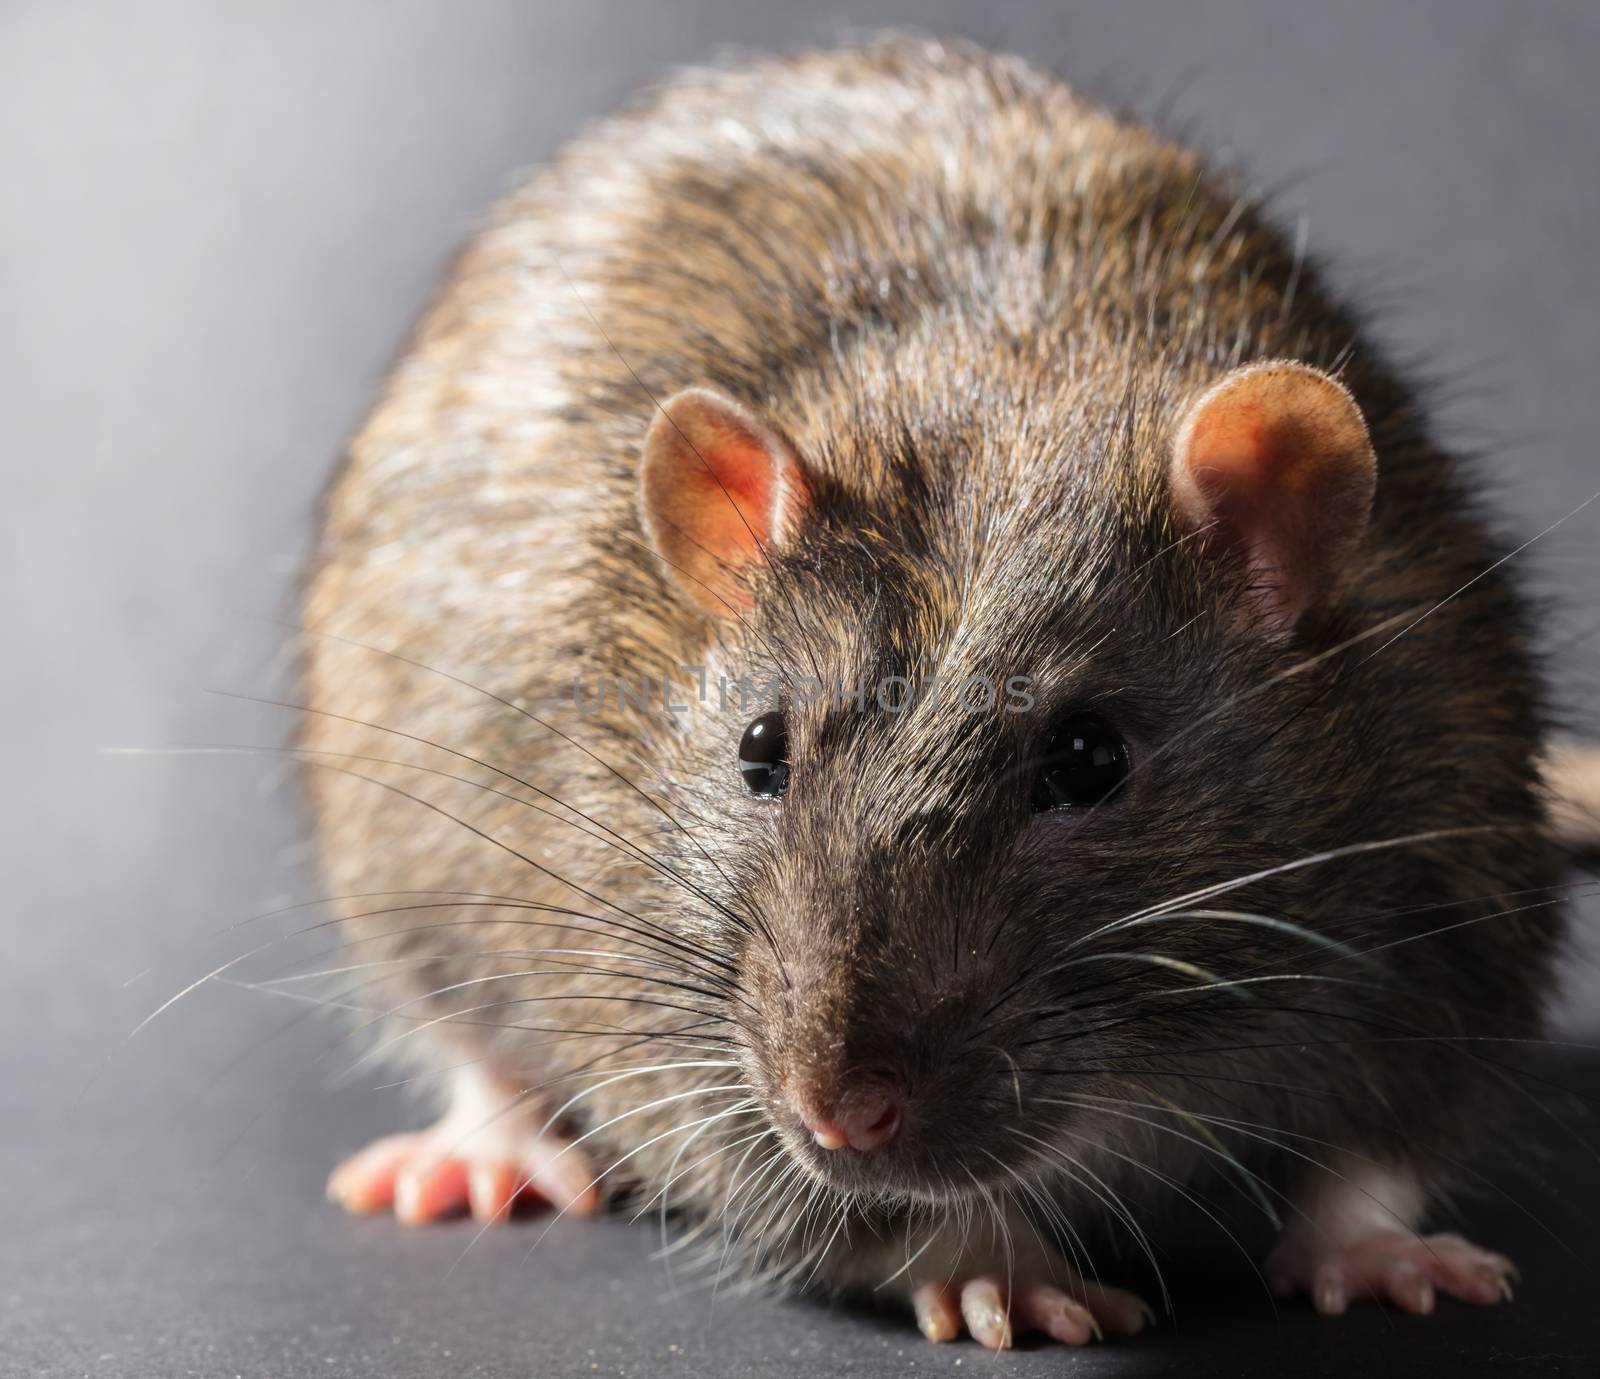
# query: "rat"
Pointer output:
{"type": "Point", "coordinates": [893, 679]}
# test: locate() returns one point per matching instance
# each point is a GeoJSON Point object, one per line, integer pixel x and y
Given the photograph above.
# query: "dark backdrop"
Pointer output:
{"type": "Point", "coordinates": [216, 222]}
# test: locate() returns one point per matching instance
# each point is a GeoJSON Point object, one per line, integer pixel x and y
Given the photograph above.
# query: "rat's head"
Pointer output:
{"type": "Point", "coordinates": [1004, 711]}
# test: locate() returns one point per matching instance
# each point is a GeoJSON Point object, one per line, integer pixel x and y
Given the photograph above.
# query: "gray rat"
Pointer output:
{"type": "Point", "coordinates": [893, 679]}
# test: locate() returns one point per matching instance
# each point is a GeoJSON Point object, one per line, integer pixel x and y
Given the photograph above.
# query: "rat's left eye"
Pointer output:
{"type": "Point", "coordinates": [1084, 761]}
{"type": "Point", "coordinates": [764, 756]}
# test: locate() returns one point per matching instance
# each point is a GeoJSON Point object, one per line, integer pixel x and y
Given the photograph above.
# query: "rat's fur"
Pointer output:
{"type": "Point", "coordinates": [976, 307]}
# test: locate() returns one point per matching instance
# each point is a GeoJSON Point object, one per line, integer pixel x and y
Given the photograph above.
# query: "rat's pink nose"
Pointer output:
{"type": "Point", "coordinates": [865, 1118]}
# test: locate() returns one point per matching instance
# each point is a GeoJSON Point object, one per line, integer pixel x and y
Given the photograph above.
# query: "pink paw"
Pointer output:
{"type": "Point", "coordinates": [993, 1314]}
{"type": "Point", "coordinates": [1392, 1266]}
{"type": "Point", "coordinates": [465, 1163]}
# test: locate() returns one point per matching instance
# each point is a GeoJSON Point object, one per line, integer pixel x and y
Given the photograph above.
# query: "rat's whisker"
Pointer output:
{"type": "Point", "coordinates": [1079, 1173]}
{"type": "Point", "coordinates": [455, 1017]}
{"type": "Point", "coordinates": [328, 635]}
{"type": "Point", "coordinates": [1312, 860]}
{"type": "Point", "coordinates": [313, 758]}
{"type": "Point", "coordinates": [566, 1032]}
{"type": "Point", "coordinates": [310, 755]}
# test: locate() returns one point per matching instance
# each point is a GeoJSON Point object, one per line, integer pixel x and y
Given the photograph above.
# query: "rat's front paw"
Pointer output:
{"type": "Point", "coordinates": [489, 1151]}
{"type": "Point", "coordinates": [1391, 1266]}
{"type": "Point", "coordinates": [994, 1312]}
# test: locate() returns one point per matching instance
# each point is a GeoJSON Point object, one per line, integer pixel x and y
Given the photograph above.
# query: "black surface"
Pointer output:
{"type": "Point", "coordinates": [216, 222]}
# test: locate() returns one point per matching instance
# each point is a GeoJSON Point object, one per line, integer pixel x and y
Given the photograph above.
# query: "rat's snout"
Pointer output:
{"type": "Point", "coordinates": [867, 1052]}
{"type": "Point", "coordinates": [865, 1116]}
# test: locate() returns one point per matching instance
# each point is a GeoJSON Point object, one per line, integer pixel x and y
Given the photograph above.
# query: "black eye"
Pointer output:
{"type": "Point", "coordinates": [764, 756]}
{"type": "Point", "coordinates": [1084, 762]}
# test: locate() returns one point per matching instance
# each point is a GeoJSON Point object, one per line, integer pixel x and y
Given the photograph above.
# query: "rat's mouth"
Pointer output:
{"type": "Point", "coordinates": [906, 1158]}
{"type": "Point", "coordinates": [893, 1175]}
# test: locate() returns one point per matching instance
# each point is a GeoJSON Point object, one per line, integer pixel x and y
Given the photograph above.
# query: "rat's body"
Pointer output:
{"type": "Point", "coordinates": [971, 323]}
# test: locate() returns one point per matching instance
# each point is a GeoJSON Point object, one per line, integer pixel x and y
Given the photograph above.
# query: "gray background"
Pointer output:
{"type": "Point", "coordinates": [216, 222]}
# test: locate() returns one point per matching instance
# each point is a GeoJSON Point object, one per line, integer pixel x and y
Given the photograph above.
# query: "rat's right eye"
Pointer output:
{"type": "Point", "coordinates": [764, 756]}
{"type": "Point", "coordinates": [1085, 760]}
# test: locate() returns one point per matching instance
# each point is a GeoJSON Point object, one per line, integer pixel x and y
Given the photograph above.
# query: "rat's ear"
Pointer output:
{"type": "Point", "coordinates": [718, 489]}
{"type": "Point", "coordinates": [1275, 464]}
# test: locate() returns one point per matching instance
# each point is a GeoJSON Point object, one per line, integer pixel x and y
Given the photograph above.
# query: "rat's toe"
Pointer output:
{"type": "Point", "coordinates": [1119, 1312]}
{"type": "Point", "coordinates": [561, 1174]}
{"type": "Point", "coordinates": [492, 1190]}
{"type": "Point", "coordinates": [1409, 1287]}
{"type": "Point", "coordinates": [1043, 1307]}
{"type": "Point", "coordinates": [984, 1306]}
{"type": "Point", "coordinates": [365, 1182]}
{"type": "Point", "coordinates": [938, 1309]}
{"type": "Point", "coordinates": [429, 1188]}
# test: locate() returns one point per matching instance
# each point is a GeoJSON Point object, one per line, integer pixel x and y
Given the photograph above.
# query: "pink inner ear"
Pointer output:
{"type": "Point", "coordinates": [719, 489]}
{"type": "Point", "coordinates": [1244, 483]}
{"type": "Point", "coordinates": [1276, 464]}
{"type": "Point", "coordinates": [732, 487]}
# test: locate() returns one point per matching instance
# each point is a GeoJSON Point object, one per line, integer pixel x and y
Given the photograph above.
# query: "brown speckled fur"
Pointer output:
{"type": "Point", "coordinates": [976, 306]}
